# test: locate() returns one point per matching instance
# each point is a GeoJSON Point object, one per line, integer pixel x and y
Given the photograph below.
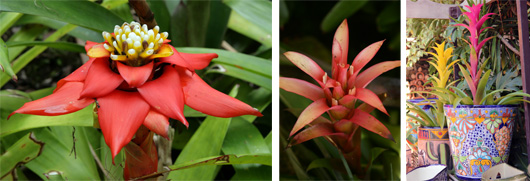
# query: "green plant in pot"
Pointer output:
{"type": "Point", "coordinates": [480, 125]}
{"type": "Point", "coordinates": [433, 136]}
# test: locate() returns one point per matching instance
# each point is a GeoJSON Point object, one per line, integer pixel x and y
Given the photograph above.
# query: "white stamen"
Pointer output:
{"type": "Point", "coordinates": [114, 57]}
{"type": "Point", "coordinates": [137, 44]}
{"type": "Point", "coordinates": [160, 41]}
{"type": "Point", "coordinates": [131, 51]}
{"type": "Point", "coordinates": [144, 27]}
{"type": "Point", "coordinates": [149, 52]}
{"type": "Point", "coordinates": [123, 37]}
{"type": "Point", "coordinates": [165, 35]}
{"type": "Point", "coordinates": [157, 36]}
{"type": "Point", "coordinates": [115, 44]}
{"type": "Point", "coordinates": [156, 28]}
{"type": "Point", "coordinates": [151, 45]}
{"type": "Point", "coordinates": [151, 33]}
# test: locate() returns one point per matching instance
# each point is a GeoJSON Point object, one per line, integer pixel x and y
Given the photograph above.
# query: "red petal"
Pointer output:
{"type": "Point", "coordinates": [97, 51]}
{"type": "Point", "coordinates": [157, 123]}
{"type": "Point", "coordinates": [310, 113]}
{"type": "Point", "coordinates": [100, 80]}
{"type": "Point", "coordinates": [176, 59]}
{"type": "Point", "coordinates": [318, 130]}
{"type": "Point", "coordinates": [303, 88]}
{"type": "Point", "coordinates": [307, 65]}
{"type": "Point", "coordinates": [190, 60]}
{"type": "Point", "coordinates": [203, 98]}
{"type": "Point", "coordinates": [366, 55]}
{"type": "Point", "coordinates": [374, 71]}
{"type": "Point", "coordinates": [342, 37]}
{"type": "Point", "coordinates": [336, 51]}
{"type": "Point", "coordinates": [120, 115]}
{"type": "Point", "coordinates": [78, 75]}
{"type": "Point", "coordinates": [370, 123]}
{"type": "Point", "coordinates": [165, 95]}
{"type": "Point", "coordinates": [135, 76]}
{"type": "Point", "coordinates": [63, 101]}
{"type": "Point", "coordinates": [200, 60]}
{"type": "Point", "coordinates": [89, 44]}
{"type": "Point", "coordinates": [370, 98]}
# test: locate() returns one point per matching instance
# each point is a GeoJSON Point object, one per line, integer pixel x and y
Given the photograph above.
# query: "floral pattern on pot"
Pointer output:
{"type": "Point", "coordinates": [480, 136]}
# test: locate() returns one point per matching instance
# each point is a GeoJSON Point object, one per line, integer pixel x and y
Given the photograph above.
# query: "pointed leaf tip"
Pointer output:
{"type": "Point", "coordinates": [307, 116]}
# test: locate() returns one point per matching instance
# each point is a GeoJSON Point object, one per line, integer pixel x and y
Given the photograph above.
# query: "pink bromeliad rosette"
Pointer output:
{"type": "Point", "coordinates": [337, 95]}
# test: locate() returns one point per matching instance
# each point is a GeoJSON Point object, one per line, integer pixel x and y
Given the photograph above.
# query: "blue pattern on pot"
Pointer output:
{"type": "Point", "coordinates": [480, 137]}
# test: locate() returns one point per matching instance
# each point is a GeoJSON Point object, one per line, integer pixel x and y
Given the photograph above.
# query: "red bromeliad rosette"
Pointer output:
{"type": "Point", "coordinates": [137, 79]}
{"type": "Point", "coordinates": [338, 94]}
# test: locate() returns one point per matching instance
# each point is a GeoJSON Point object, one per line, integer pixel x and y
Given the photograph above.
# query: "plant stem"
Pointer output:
{"type": "Point", "coordinates": [144, 13]}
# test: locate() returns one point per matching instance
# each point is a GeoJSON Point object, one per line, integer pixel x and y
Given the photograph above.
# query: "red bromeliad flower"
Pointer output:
{"type": "Point", "coordinates": [338, 95]}
{"type": "Point", "coordinates": [137, 79]}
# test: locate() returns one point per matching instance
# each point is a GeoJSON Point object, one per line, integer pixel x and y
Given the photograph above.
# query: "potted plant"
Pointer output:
{"type": "Point", "coordinates": [480, 125]}
{"type": "Point", "coordinates": [433, 137]}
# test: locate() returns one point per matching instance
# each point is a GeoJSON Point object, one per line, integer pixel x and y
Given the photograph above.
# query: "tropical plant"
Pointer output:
{"type": "Point", "coordinates": [337, 96]}
{"type": "Point", "coordinates": [475, 74]}
{"type": "Point", "coordinates": [433, 114]}
{"type": "Point", "coordinates": [105, 92]}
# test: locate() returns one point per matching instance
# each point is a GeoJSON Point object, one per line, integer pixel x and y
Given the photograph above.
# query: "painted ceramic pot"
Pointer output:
{"type": "Point", "coordinates": [480, 136]}
{"type": "Point", "coordinates": [434, 147]}
{"type": "Point", "coordinates": [412, 125]}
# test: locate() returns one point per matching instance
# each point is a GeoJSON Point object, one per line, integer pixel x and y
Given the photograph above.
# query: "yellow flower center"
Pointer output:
{"type": "Point", "coordinates": [134, 43]}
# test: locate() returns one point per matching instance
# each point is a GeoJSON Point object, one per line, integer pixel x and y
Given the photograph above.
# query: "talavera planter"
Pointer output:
{"type": "Point", "coordinates": [412, 125]}
{"type": "Point", "coordinates": [434, 147]}
{"type": "Point", "coordinates": [480, 137]}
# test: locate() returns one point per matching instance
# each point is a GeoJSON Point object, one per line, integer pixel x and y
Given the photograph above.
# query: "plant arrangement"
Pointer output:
{"type": "Point", "coordinates": [431, 144]}
{"type": "Point", "coordinates": [480, 118]}
{"type": "Point", "coordinates": [144, 105]}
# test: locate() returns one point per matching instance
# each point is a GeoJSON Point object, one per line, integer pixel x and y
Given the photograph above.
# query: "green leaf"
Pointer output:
{"type": "Point", "coordinates": [23, 151]}
{"type": "Point", "coordinates": [4, 61]}
{"type": "Point", "coordinates": [241, 131]}
{"type": "Point", "coordinates": [189, 22]}
{"type": "Point", "coordinates": [268, 141]}
{"type": "Point", "coordinates": [211, 131]}
{"type": "Point", "coordinates": [243, 61]}
{"type": "Point", "coordinates": [162, 16]}
{"type": "Point", "coordinates": [82, 13]}
{"type": "Point", "coordinates": [120, 8]}
{"type": "Point", "coordinates": [252, 19]}
{"type": "Point", "coordinates": [259, 98]}
{"type": "Point", "coordinates": [217, 25]}
{"type": "Point", "coordinates": [242, 74]}
{"type": "Point", "coordinates": [342, 10]}
{"type": "Point", "coordinates": [264, 159]}
{"type": "Point", "coordinates": [245, 27]}
{"type": "Point", "coordinates": [24, 59]}
{"type": "Point", "coordinates": [20, 122]}
{"type": "Point", "coordinates": [57, 155]}
{"type": "Point", "coordinates": [284, 13]}
{"type": "Point", "coordinates": [25, 34]}
{"type": "Point", "coordinates": [113, 171]}
{"type": "Point", "coordinates": [8, 19]}
{"type": "Point", "coordinates": [79, 32]}
{"type": "Point", "coordinates": [479, 95]}
{"type": "Point", "coordinates": [73, 47]}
